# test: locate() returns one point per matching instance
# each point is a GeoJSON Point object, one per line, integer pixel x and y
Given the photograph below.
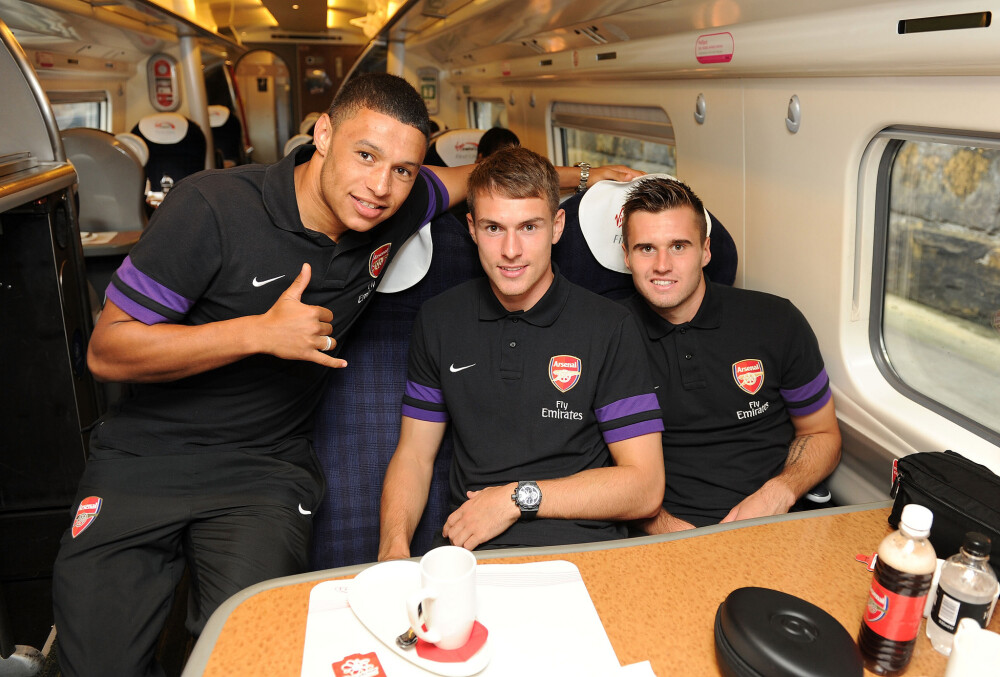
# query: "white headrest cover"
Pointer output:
{"type": "Point", "coordinates": [307, 122]}
{"type": "Point", "coordinates": [165, 128]}
{"type": "Point", "coordinates": [601, 222]}
{"type": "Point", "coordinates": [412, 262]}
{"type": "Point", "coordinates": [135, 144]}
{"type": "Point", "coordinates": [459, 147]}
{"type": "Point", "coordinates": [217, 115]}
{"type": "Point", "coordinates": [295, 142]}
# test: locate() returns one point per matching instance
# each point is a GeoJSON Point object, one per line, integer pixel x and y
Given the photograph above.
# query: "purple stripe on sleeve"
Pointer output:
{"type": "Point", "coordinates": [425, 393]}
{"type": "Point", "coordinates": [425, 415]}
{"type": "Point", "coordinates": [635, 430]}
{"type": "Point", "coordinates": [151, 289]}
{"type": "Point", "coordinates": [433, 209]}
{"type": "Point", "coordinates": [627, 406]}
{"type": "Point", "coordinates": [141, 313]}
{"type": "Point", "coordinates": [808, 391]}
{"type": "Point", "coordinates": [810, 408]}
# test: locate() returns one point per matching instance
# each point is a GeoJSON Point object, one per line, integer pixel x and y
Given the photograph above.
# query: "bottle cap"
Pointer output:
{"type": "Point", "coordinates": [917, 520]}
{"type": "Point", "coordinates": [977, 544]}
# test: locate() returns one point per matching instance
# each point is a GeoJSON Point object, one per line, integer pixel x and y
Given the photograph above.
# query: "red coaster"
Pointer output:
{"type": "Point", "coordinates": [463, 653]}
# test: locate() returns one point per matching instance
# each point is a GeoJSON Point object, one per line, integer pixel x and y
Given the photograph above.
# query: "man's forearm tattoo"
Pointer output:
{"type": "Point", "coordinates": [796, 448]}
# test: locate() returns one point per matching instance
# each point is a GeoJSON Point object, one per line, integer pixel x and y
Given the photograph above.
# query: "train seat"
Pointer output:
{"type": "Point", "coordinates": [308, 123]}
{"type": "Point", "coordinates": [454, 147]}
{"type": "Point", "coordinates": [593, 236]}
{"type": "Point", "coordinates": [296, 141]}
{"type": "Point", "coordinates": [111, 181]}
{"type": "Point", "coordinates": [227, 136]}
{"type": "Point", "coordinates": [176, 148]}
{"type": "Point", "coordinates": [357, 423]}
{"type": "Point", "coordinates": [136, 145]}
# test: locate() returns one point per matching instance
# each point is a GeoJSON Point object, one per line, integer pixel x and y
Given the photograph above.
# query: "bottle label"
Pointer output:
{"type": "Point", "coordinates": [895, 617]}
{"type": "Point", "coordinates": [948, 611]}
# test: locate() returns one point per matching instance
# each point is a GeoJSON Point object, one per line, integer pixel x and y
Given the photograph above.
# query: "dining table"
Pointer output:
{"type": "Point", "coordinates": [656, 596]}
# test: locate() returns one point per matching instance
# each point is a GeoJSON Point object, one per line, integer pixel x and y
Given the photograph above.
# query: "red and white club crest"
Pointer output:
{"type": "Point", "coordinates": [86, 514]}
{"type": "Point", "coordinates": [749, 375]}
{"type": "Point", "coordinates": [564, 371]}
{"type": "Point", "coordinates": [378, 259]}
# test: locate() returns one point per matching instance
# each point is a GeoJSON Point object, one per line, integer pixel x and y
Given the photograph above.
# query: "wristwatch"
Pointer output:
{"type": "Point", "coordinates": [527, 497]}
{"type": "Point", "coordinates": [584, 175]}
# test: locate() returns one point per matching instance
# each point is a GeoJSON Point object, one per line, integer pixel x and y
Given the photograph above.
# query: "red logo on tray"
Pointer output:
{"type": "Point", "coordinates": [564, 371]}
{"type": "Point", "coordinates": [86, 514]}
{"type": "Point", "coordinates": [378, 259]}
{"type": "Point", "coordinates": [359, 665]}
{"type": "Point", "coordinates": [749, 375]}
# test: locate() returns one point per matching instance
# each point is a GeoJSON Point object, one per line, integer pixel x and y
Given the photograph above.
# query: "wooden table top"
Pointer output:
{"type": "Point", "coordinates": [657, 596]}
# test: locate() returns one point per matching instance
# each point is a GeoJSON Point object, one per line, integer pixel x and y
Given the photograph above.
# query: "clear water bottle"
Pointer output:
{"type": "Point", "coordinates": [896, 600]}
{"type": "Point", "coordinates": [967, 589]}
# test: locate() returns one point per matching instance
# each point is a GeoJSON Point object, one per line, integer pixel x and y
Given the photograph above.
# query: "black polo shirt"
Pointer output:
{"type": "Point", "coordinates": [728, 382]}
{"type": "Point", "coordinates": [226, 244]}
{"type": "Point", "coordinates": [531, 395]}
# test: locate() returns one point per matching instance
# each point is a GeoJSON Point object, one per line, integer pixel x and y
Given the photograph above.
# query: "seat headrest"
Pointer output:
{"type": "Point", "coordinates": [135, 144]}
{"type": "Point", "coordinates": [458, 147]}
{"type": "Point", "coordinates": [305, 127]}
{"type": "Point", "coordinates": [411, 263]}
{"type": "Point", "coordinates": [295, 142]}
{"type": "Point", "coordinates": [601, 222]}
{"type": "Point", "coordinates": [164, 128]}
{"type": "Point", "coordinates": [217, 115]}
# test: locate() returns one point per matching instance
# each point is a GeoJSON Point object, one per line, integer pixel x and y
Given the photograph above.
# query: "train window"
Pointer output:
{"type": "Point", "coordinates": [81, 109]}
{"type": "Point", "coordinates": [640, 137]}
{"type": "Point", "coordinates": [937, 313]}
{"type": "Point", "coordinates": [487, 113]}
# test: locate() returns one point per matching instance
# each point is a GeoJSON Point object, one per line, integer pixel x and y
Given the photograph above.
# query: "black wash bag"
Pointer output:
{"type": "Point", "coordinates": [963, 495]}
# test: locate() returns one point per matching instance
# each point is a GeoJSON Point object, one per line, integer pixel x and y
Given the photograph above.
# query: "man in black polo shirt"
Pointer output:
{"type": "Point", "coordinates": [747, 409]}
{"type": "Point", "coordinates": [555, 424]}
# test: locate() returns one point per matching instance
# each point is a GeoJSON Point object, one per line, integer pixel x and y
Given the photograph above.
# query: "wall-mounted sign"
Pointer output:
{"type": "Point", "coordinates": [429, 88]}
{"type": "Point", "coordinates": [161, 73]}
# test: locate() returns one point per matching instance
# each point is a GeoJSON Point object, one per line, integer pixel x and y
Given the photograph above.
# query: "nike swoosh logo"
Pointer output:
{"type": "Point", "coordinates": [304, 511]}
{"type": "Point", "coordinates": [261, 283]}
{"type": "Point", "coordinates": [454, 370]}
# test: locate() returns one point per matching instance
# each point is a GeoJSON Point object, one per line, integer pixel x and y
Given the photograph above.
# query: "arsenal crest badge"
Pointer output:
{"type": "Point", "coordinates": [749, 375]}
{"type": "Point", "coordinates": [378, 258]}
{"type": "Point", "coordinates": [86, 514]}
{"type": "Point", "coordinates": [564, 371]}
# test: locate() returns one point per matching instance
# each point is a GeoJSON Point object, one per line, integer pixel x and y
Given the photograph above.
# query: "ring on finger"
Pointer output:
{"type": "Point", "coordinates": [329, 343]}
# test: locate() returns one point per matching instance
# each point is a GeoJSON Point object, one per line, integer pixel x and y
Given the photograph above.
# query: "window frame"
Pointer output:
{"type": "Point", "coordinates": [894, 138]}
{"type": "Point", "coordinates": [599, 119]}
{"type": "Point", "coordinates": [99, 96]}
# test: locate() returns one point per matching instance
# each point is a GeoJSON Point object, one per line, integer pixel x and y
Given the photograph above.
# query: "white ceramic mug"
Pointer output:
{"type": "Point", "coordinates": [974, 651]}
{"type": "Point", "coordinates": [448, 597]}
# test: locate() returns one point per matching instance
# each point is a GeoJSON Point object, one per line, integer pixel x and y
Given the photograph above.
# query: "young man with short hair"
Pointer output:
{"type": "Point", "coordinates": [556, 427]}
{"type": "Point", "coordinates": [749, 419]}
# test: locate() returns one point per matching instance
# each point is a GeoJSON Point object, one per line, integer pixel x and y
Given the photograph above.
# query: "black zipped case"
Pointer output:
{"type": "Point", "coordinates": [963, 495]}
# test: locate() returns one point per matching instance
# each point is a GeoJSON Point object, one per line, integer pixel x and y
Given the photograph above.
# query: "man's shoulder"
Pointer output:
{"type": "Point", "coordinates": [453, 302]}
{"type": "Point", "coordinates": [591, 303]}
{"type": "Point", "coordinates": [750, 301]}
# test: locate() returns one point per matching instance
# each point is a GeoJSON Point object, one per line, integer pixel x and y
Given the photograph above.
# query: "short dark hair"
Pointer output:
{"type": "Point", "coordinates": [383, 93]}
{"type": "Point", "coordinates": [494, 139]}
{"type": "Point", "coordinates": [657, 195]}
{"type": "Point", "coordinates": [516, 173]}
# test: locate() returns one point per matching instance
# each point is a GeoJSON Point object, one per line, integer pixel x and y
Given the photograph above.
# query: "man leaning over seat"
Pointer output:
{"type": "Point", "coordinates": [556, 428]}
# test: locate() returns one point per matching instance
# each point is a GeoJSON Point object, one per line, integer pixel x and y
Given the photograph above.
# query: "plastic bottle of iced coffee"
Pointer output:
{"type": "Point", "coordinates": [966, 589]}
{"type": "Point", "coordinates": [903, 574]}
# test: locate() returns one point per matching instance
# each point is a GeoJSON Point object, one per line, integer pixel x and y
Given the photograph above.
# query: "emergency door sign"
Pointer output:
{"type": "Point", "coordinates": [161, 73]}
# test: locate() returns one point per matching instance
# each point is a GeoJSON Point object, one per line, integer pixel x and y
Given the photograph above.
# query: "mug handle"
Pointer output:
{"type": "Point", "coordinates": [413, 603]}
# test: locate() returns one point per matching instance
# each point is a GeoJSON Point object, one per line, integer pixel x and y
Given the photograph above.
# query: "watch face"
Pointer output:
{"type": "Point", "coordinates": [528, 496]}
